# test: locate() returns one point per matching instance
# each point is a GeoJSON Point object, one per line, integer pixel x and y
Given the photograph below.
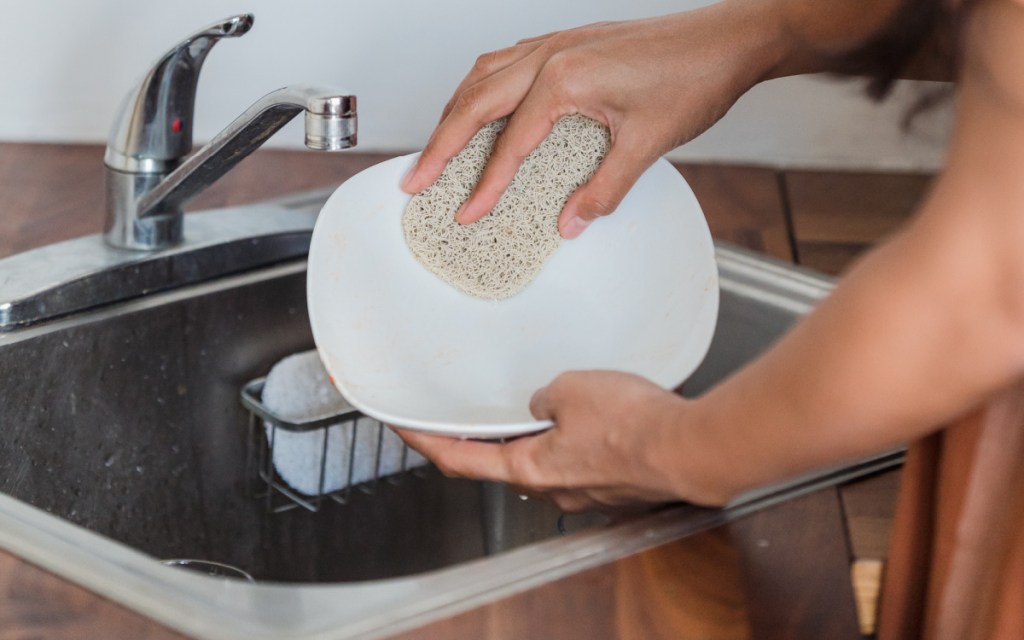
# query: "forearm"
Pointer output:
{"type": "Point", "coordinates": [819, 33]}
{"type": "Point", "coordinates": [918, 333]}
{"type": "Point", "coordinates": [776, 38]}
{"type": "Point", "coordinates": [890, 356]}
{"type": "Point", "coordinates": [922, 330]}
{"type": "Point", "coordinates": [800, 36]}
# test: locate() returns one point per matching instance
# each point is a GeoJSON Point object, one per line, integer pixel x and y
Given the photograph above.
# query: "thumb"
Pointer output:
{"type": "Point", "coordinates": [541, 406]}
{"type": "Point", "coordinates": [601, 195]}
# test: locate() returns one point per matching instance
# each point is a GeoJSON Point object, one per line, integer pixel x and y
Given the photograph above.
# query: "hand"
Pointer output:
{"type": "Point", "coordinates": [611, 446]}
{"type": "Point", "coordinates": [655, 83]}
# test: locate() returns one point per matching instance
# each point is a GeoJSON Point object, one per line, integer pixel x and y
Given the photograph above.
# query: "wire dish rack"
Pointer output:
{"type": "Point", "coordinates": [264, 428]}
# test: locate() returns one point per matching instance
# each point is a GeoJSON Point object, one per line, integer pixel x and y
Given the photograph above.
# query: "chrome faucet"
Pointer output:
{"type": "Point", "coordinates": [149, 177]}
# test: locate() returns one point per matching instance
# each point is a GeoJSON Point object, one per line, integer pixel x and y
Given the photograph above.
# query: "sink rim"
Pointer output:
{"type": "Point", "coordinates": [204, 606]}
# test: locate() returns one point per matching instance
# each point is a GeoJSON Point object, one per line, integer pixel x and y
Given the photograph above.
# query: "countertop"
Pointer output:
{"type": "Point", "coordinates": [783, 572]}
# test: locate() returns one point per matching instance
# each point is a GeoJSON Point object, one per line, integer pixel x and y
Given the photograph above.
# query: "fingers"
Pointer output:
{"type": "Point", "coordinates": [485, 100]}
{"type": "Point", "coordinates": [480, 460]}
{"type": "Point", "coordinates": [573, 501]}
{"type": "Point", "coordinates": [476, 459]}
{"type": "Point", "coordinates": [448, 139]}
{"type": "Point", "coordinates": [526, 129]}
{"type": "Point", "coordinates": [487, 65]}
{"type": "Point", "coordinates": [541, 406]}
{"type": "Point", "coordinates": [544, 104]}
{"type": "Point", "coordinates": [601, 195]}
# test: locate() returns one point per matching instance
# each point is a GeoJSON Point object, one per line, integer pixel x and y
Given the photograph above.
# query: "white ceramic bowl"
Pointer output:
{"type": "Point", "coordinates": [637, 292]}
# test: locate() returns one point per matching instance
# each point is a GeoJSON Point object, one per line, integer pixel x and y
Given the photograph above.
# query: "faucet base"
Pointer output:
{"type": "Point", "coordinates": [124, 228]}
{"type": "Point", "coordinates": [63, 278]}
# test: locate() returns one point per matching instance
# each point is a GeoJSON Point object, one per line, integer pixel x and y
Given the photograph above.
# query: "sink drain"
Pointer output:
{"type": "Point", "coordinates": [209, 568]}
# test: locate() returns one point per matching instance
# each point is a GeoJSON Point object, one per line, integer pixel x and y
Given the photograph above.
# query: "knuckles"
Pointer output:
{"type": "Point", "coordinates": [560, 41]}
{"type": "Point", "coordinates": [597, 204]}
{"type": "Point", "coordinates": [445, 464]}
{"type": "Point", "coordinates": [470, 104]}
{"type": "Point", "coordinates": [571, 503]}
{"type": "Point", "coordinates": [565, 69]}
{"type": "Point", "coordinates": [524, 472]}
{"type": "Point", "coordinates": [487, 63]}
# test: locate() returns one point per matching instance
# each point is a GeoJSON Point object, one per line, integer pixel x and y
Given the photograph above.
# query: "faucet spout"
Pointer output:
{"type": "Point", "coordinates": [331, 125]}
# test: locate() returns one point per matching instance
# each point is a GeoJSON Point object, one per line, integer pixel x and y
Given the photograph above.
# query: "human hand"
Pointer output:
{"type": "Point", "coordinates": [654, 83]}
{"type": "Point", "coordinates": [611, 446]}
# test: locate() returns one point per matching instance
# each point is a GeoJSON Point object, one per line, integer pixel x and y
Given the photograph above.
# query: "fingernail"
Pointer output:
{"type": "Point", "coordinates": [407, 179]}
{"type": "Point", "coordinates": [574, 226]}
{"type": "Point", "coordinates": [463, 214]}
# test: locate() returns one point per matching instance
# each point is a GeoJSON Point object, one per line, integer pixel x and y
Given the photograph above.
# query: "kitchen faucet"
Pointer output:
{"type": "Point", "coordinates": [149, 177]}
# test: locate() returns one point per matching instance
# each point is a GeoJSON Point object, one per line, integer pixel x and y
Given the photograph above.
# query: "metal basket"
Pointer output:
{"type": "Point", "coordinates": [260, 471]}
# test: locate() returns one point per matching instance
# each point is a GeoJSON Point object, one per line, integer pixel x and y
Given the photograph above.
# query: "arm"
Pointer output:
{"type": "Point", "coordinates": [922, 330]}
{"type": "Point", "coordinates": [655, 83]}
{"type": "Point", "coordinates": [927, 326]}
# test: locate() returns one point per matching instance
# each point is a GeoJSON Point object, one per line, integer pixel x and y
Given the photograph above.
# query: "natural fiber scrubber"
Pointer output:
{"type": "Point", "coordinates": [501, 254]}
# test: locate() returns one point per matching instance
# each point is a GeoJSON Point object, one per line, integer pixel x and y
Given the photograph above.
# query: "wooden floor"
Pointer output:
{"type": "Point", "coordinates": [822, 220]}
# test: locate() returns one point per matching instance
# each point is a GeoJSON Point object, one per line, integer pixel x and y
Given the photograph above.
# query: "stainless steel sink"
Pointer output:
{"type": "Point", "coordinates": [125, 443]}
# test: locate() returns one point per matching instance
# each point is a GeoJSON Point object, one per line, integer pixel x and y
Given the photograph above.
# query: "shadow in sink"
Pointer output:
{"type": "Point", "coordinates": [421, 524]}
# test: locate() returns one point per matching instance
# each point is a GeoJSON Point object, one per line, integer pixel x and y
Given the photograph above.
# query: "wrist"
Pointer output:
{"type": "Point", "coordinates": [760, 45]}
{"type": "Point", "coordinates": [696, 466]}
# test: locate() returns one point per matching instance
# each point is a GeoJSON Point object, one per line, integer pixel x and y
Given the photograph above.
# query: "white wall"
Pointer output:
{"type": "Point", "coordinates": [66, 64]}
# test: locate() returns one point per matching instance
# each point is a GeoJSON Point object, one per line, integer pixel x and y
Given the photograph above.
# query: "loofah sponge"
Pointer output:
{"type": "Point", "coordinates": [501, 254]}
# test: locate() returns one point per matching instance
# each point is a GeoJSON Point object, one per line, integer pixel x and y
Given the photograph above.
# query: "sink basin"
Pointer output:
{"type": "Point", "coordinates": [125, 443]}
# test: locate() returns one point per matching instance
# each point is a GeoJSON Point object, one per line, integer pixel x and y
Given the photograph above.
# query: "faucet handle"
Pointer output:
{"type": "Point", "coordinates": [153, 131]}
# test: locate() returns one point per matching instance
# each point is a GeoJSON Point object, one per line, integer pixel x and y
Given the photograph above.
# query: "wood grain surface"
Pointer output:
{"type": "Point", "coordinates": [37, 604]}
{"type": "Point", "coordinates": [796, 565]}
{"type": "Point", "coordinates": [56, 192]}
{"type": "Point", "coordinates": [836, 216]}
{"type": "Point", "coordinates": [743, 205]}
{"type": "Point", "coordinates": [690, 588]}
{"type": "Point", "coordinates": [782, 573]}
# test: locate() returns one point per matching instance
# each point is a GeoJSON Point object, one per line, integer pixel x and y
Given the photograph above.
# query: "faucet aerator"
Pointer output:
{"type": "Point", "coordinates": [327, 132]}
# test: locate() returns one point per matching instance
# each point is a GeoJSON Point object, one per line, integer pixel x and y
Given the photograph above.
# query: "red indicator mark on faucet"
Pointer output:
{"type": "Point", "coordinates": [176, 125]}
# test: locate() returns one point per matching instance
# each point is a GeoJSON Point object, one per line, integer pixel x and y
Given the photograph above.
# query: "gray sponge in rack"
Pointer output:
{"type": "Point", "coordinates": [298, 389]}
